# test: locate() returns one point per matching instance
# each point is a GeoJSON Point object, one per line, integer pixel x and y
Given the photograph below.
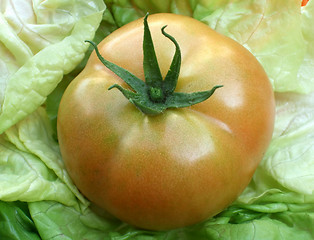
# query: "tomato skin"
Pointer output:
{"type": "Point", "coordinates": [304, 2]}
{"type": "Point", "coordinates": [180, 167]}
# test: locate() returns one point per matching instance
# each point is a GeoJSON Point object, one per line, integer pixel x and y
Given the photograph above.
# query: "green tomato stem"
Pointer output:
{"type": "Point", "coordinates": [156, 94]}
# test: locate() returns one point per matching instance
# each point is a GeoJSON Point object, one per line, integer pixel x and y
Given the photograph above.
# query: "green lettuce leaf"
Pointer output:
{"type": "Point", "coordinates": [305, 74]}
{"type": "Point", "coordinates": [286, 173]}
{"type": "Point", "coordinates": [16, 222]}
{"type": "Point", "coordinates": [40, 41]}
{"type": "Point", "coordinates": [126, 11]}
{"type": "Point", "coordinates": [274, 31]}
{"type": "Point", "coordinates": [278, 204]}
{"type": "Point", "coordinates": [31, 168]}
{"type": "Point", "coordinates": [258, 222]}
{"type": "Point", "coordinates": [57, 221]}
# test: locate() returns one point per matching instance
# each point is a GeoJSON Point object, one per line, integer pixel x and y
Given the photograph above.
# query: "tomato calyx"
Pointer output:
{"type": "Point", "coordinates": [156, 94]}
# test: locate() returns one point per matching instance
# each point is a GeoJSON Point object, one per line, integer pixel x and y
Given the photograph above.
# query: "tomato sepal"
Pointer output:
{"type": "Point", "coordinates": [156, 94]}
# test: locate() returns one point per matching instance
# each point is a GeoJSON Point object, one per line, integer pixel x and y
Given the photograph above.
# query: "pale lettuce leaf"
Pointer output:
{"type": "Point", "coordinates": [273, 31]}
{"type": "Point", "coordinates": [40, 41]}
{"type": "Point", "coordinates": [31, 168]}
{"type": "Point", "coordinates": [276, 222]}
{"type": "Point", "coordinates": [286, 174]}
{"type": "Point", "coordinates": [305, 74]}
{"type": "Point", "coordinates": [279, 202]}
{"type": "Point", "coordinates": [57, 221]}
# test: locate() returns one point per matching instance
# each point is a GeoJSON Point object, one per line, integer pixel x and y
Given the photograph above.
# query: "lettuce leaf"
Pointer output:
{"type": "Point", "coordinates": [40, 41]}
{"type": "Point", "coordinates": [270, 30]}
{"type": "Point", "coordinates": [31, 168]}
{"type": "Point", "coordinates": [16, 222]}
{"type": "Point", "coordinates": [279, 201]}
{"type": "Point", "coordinates": [56, 221]}
{"type": "Point", "coordinates": [127, 11]}
{"type": "Point", "coordinates": [286, 173]}
{"type": "Point", "coordinates": [305, 74]}
{"type": "Point", "coordinates": [255, 26]}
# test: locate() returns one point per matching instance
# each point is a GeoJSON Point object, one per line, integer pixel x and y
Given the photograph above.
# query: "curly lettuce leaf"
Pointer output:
{"type": "Point", "coordinates": [305, 73]}
{"type": "Point", "coordinates": [274, 31]}
{"type": "Point", "coordinates": [286, 173]}
{"type": "Point", "coordinates": [278, 203]}
{"type": "Point", "coordinates": [16, 222]}
{"type": "Point", "coordinates": [257, 222]}
{"type": "Point", "coordinates": [31, 168]}
{"type": "Point", "coordinates": [57, 221]}
{"type": "Point", "coordinates": [40, 41]}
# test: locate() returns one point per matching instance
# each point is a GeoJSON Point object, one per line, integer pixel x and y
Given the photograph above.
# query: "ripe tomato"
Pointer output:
{"type": "Point", "coordinates": [304, 2]}
{"type": "Point", "coordinates": [183, 165]}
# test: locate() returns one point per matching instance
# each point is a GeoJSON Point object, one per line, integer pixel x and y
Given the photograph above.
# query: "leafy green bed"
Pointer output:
{"type": "Point", "coordinates": [42, 49]}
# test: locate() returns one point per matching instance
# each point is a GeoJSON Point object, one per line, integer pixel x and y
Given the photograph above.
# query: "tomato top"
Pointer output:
{"type": "Point", "coordinates": [155, 94]}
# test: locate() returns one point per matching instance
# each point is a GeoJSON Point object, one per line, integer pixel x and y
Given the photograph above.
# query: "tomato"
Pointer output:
{"type": "Point", "coordinates": [304, 2]}
{"type": "Point", "coordinates": [181, 166]}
